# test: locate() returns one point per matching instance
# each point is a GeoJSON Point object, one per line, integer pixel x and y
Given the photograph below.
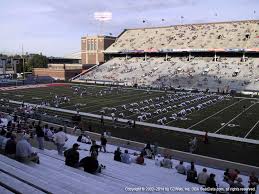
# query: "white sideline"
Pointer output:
{"type": "Point", "coordinates": [234, 118]}
{"type": "Point", "coordinates": [226, 137]}
{"type": "Point", "coordinates": [251, 129]}
{"type": "Point", "coordinates": [215, 114]}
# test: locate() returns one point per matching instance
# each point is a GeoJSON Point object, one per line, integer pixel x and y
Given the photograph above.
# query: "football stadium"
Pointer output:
{"type": "Point", "coordinates": [152, 110]}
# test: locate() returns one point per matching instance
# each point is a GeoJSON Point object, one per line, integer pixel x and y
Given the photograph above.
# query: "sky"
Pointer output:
{"type": "Point", "coordinates": [54, 27]}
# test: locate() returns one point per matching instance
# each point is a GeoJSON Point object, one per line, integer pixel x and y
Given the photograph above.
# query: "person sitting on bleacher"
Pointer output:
{"type": "Point", "coordinates": [253, 182]}
{"type": "Point", "coordinates": [72, 156]}
{"type": "Point", "coordinates": [2, 137]}
{"type": "Point", "coordinates": [24, 152]}
{"type": "Point", "coordinates": [49, 134]}
{"type": "Point", "coordinates": [158, 160]}
{"type": "Point", "coordinates": [7, 137]}
{"type": "Point", "coordinates": [238, 186]}
{"type": "Point", "coordinates": [117, 155]}
{"type": "Point", "coordinates": [83, 139]}
{"type": "Point", "coordinates": [140, 159]}
{"type": "Point", "coordinates": [211, 183]}
{"type": "Point", "coordinates": [192, 175]}
{"type": "Point", "coordinates": [95, 147]}
{"type": "Point", "coordinates": [10, 147]}
{"type": "Point", "coordinates": [166, 162]}
{"type": "Point", "coordinates": [233, 174]}
{"type": "Point", "coordinates": [181, 168]}
{"type": "Point", "coordinates": [190, 165]}
{"type": "Point", "coordinates": [147, 151]}
{"type": "Point", "coordinates": [203, 176]}
{"type": "Point", "coordinates": [90, 164]}
{"type": "Point", "coordinates": [224, 183]}
{"type": "Point", "coordinates": [125, 157]}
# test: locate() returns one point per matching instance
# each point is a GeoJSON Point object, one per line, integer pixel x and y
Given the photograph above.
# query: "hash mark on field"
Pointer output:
{"type": "Point", "coordinates": [251, 129]}
{"type": "Point", "coordinates": [234, 118]}
{"type": "Point", "coordinates": [214, 114]}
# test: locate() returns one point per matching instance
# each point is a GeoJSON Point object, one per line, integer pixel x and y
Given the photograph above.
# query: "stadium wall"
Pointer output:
{"type": "Point", "coordinates": [58, 74]}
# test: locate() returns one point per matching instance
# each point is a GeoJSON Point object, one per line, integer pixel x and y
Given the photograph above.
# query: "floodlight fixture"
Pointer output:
{"type": "Point", "coordinates": [103, 16]}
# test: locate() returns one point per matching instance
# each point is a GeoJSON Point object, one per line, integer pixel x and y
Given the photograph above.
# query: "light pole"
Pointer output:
{"type": "Point", "coordinates": [102, 17]}
{"type": "Point", "coordinates": [23, 64]}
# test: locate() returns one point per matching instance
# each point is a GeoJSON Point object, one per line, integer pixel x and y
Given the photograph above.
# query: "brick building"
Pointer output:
{"type": "Point", "coordinates": [92, 48]}
{"type": "Point", "coordinates": [59, 71]}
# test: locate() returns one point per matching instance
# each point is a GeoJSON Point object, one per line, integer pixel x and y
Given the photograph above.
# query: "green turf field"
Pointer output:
{"type": "Point", "coordinates": [230, 116]}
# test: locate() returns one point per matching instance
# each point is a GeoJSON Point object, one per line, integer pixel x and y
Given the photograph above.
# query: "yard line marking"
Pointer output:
{"type": "Point", "coordinates": [191, 105]}
{"type": "Point", "coordinates": [195, 132]}
{"type": "Point", "coordinates": [234, 118]}
{"type": "Point", "coordinates": [215, 114]}
{"type": "Point", "coordinates": [251, 129]}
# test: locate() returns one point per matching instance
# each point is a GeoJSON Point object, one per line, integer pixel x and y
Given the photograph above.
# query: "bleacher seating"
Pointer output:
{"type": "Point", "coordinates": [199, 72]}
{"type": "Point", "coordinates": [218, 72]}
{"type": "Point", "coordinates": [241, 34]}
{"type": "Point", "coordinates": [53, 176]}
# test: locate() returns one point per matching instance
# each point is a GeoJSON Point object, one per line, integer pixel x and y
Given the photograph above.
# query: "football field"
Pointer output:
{"type": "Point", "coordinates": [215, 113]}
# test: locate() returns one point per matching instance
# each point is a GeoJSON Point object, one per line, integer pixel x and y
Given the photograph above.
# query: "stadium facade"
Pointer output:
{"type": "Point", "coordinates": [92, 48]}
{"type": "Point", "coordinates": [221, 56]}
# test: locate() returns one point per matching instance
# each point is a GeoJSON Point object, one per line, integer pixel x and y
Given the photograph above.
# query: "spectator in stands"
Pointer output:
{"type": "Point", "coordinates": [49, 134]}
{"type": "Point", "coordinates": [83, 139]}
{"type": "Point", "coordinates": [147, 151]}
{"type": "Point", "coordinates": [233, 174]}
{"type": "Point", "coordinates": [211, 183]}
{"type": "Point", "coordinates": [203, 176]}
{"type": "Point", "coordinates": [117, 154]}
{"type": "Point", "coordinates": [91, 164]}
{"type": "Point", "coordinates": [190, 165]}
{"type": "Point", "coordinates": [2, 137]}
{"type": "Point", "coordinates": [224, 184]}
{"type": "Point", "coordinates": [253, 182]}
{"type": "Point", "coordinates": [103, 142]}
{"type": "Point", "coordinates": [95, 147]}
{"type": "Point", "coordinates": [134, 157]}
{"type": "Point", "coordinates": [60, 139]}
{"type": "Point", "coordinates": [167, 162]}
{"type": "Point", "coordinates": [10, 148]}
{"type": "Point", "coordinates": [158, 160]}
{"type": "Point", "coordinates": [7, 137]}
{"type": "Point", "coordinates": [181, 168]}
{"type": "Point", "coordinates": [125, 157]}
{"type": "Point", "coordinates": [77, 130]}
{"type": "Point", "coordinates": [237, 186]}
{"type": "Point", "coordinates": [72, 156]}
{"type": "Point", "coordinates": [155, 149]}
{"type": "Point", "coordinates": [45, 129]}
{"type": "Point", "coordinates": [40, 136]}
{"type": "Point", "coordinates": [226, 173]}
{"type": "Point", "coordinates": [192, 175]}
{"type": "Point", "coordinates": [24, 152]}
{"type": "Point", "coordinates": [140, 159]}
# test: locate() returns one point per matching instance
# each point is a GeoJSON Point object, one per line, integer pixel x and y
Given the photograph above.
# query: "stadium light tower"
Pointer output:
{"type": "Point", "coordinates": [102, 17]}
{"type": "Point", "coordinates": [181, 20]}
